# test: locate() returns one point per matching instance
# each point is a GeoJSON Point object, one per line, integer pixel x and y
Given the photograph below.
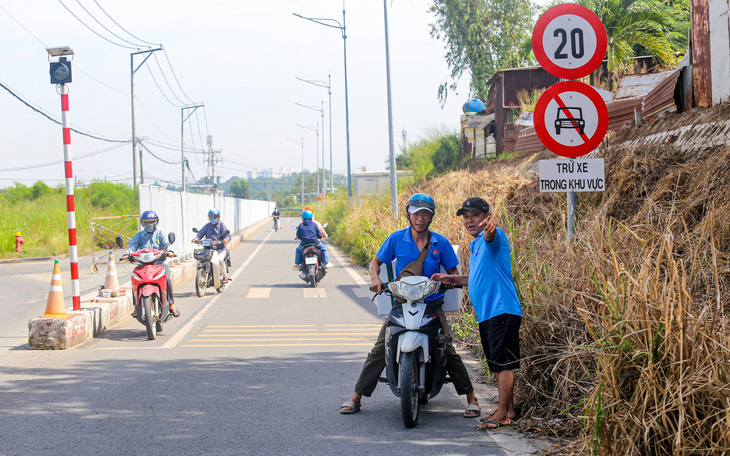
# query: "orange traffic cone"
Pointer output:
{"type": "Point", "coordinates": [112, 281]}
{"type": "Point", "coordinates": [55, 307]}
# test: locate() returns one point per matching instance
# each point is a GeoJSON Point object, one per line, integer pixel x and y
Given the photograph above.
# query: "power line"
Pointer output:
{"type": "Point", "coordinates": [41, 112]}
{"type": "Point", "coordinates": [160, 159]}
{"type": "Point", "coordinates": [104, 27]}
{"type": "Point", "coordinates": [160, 88]}
{"type": "Point", "coordinates": [92, 30]}
{"type": "Point", "coordinates": [165, 78]}
{"type": "Point", "coordinates": [175, 76]}
{"type": "Point", "coordinates": [56, 162]}
{"type": "Point", "coordinates": [128, 33]}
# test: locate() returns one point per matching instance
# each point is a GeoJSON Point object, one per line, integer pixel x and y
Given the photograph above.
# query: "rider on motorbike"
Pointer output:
{"type": "Point", "coordinates": [275, 215]}
{"type": "Point", "coordinates": [213, 230]}
{"type": "Point", "coordinates": [152, 237]}
{"type": "Point", "coordinates": [307, 233]}
{"type": "Point", "coordinates": [321, 245]}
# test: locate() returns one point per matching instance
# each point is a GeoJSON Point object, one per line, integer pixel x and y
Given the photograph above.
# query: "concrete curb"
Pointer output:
{"type": "Point", "coordinates": [99, 314]}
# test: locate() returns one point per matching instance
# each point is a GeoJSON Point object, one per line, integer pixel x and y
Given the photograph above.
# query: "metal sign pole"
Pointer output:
{"type": "Point", "coordinates": [70, 208]}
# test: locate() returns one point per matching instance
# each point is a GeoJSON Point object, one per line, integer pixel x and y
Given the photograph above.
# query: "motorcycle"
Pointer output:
{"type": "Point", "coordinates": [208, 273]}
{"type": "Point", "coordinates": [277, 224]}
{"type": "Point", "coordinates": [415, 345]}
{"type": "Point", "coordinates": [149, 287]}
{"type": "Point", "coordinates": [313, 270]}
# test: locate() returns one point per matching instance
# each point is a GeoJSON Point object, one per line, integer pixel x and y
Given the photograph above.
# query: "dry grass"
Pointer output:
{"type": "Point", "coordinates": [625, 330]}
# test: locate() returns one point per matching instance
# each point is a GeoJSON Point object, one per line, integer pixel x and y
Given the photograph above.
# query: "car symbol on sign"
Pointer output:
{"type": "Point", "coordinates": [570, 117]}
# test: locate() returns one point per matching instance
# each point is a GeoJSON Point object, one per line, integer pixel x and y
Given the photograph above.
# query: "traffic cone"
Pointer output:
{"type": "Point", "coordinates": [55, 307]}
{"type": "Point", "coordinates": [112, 281]}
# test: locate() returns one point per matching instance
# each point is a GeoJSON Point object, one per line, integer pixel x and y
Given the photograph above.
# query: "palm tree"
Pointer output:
{"type": "Point", "coordinates": [629, 23]}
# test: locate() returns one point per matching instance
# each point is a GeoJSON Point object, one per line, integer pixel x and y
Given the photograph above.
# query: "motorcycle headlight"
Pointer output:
{"type": "Point", "coordinates": [413, 292]}
{"type": "Point", "coordinates": [159, 274]}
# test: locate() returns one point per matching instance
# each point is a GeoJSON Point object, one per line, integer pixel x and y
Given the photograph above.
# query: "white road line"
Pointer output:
{"type": "Point", "coordinates": [355, 276]}
{"type": "Point", "coordinates": [174, 340]}
{"type": "Point", "coordinates": [255, 293]}
{"type": "Point", "coordinates": [314, 293]}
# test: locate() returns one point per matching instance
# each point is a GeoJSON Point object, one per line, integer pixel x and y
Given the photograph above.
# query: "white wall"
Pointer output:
{"type": "Point", "coordinates": [719, 13]}
{"type": "Point", "coordinates": [181, 212]}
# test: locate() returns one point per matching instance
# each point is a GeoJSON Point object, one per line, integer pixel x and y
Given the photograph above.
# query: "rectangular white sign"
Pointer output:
{"type": "Point", "coordinates": [576, 175]}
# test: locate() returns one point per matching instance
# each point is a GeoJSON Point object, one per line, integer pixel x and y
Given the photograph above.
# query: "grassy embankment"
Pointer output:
{"type": "Point", "coordinates": [39, 213]}
{"type": "Point", "coordinates": [625, 329]}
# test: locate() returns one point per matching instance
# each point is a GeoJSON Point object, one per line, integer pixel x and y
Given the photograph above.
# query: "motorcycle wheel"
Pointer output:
{"type": "Point", "coordinates": [424, 399]}
{"type": "Point", "coordinates": [158, 326]}
{"type": "Point", "coordinates": [313, 280]}
{"type": "Point", "coordinates": [201, 282]}
{"type": "Point", "coordinates": [148, 307]}
{"type": "Point", "coordinates": [409, 393]}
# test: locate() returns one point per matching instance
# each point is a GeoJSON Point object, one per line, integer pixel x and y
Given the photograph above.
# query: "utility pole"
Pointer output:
{"type": "Point", "coordinates": [134, 123]}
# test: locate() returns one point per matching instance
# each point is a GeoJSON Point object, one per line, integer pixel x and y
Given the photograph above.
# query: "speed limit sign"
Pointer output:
{"type": "Point", "coordinates": [569, 41]}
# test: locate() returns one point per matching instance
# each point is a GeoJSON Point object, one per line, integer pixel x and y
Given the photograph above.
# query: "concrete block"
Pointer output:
{"type": "Point", "coordinates": [58, 333]}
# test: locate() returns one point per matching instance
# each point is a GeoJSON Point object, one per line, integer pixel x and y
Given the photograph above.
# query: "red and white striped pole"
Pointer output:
{"type": "Point", "coordinates": [70, 209]}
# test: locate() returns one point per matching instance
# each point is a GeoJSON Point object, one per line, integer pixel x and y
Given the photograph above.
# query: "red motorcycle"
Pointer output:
{"type": "Point", "coordinates": [149, 288]}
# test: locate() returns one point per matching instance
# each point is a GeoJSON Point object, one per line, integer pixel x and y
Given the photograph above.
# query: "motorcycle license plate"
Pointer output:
{"type": "Point", "coordinates": [310, 260]}
{"type": "Point", "coordinates": [207, 243]}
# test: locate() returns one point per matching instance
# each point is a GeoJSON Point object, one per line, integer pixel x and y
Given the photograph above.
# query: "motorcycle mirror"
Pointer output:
{"type": "Point", "coordinates": [119, 241]}
{"type": "Point", "coordinates": [294, 227]}
{"type": "Point", "coordinates": [325, 224]}
{"type": "Point", "coordinates": [225, 233]}
{"type": "Point", "coordinates": [195, 230]}
{"type": "Point", "coordinates": [171, 238]}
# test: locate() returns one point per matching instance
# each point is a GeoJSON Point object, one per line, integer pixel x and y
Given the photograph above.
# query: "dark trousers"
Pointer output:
{"type": "Point", "coordinates": [375, 363]}
{"type": "Point", "coordinates": [170, 299]}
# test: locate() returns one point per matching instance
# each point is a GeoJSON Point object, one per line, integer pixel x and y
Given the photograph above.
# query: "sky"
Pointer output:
{"type": "Point", "coordinates": [240, 59]}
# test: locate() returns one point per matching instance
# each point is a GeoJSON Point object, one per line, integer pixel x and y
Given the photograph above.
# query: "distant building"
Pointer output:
{"type": "Point", "coordinates": [275, 173]}
{"type": "Point", "coordinates": [374, 183]}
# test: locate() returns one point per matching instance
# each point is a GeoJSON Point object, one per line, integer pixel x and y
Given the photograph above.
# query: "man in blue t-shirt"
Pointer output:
{"type": "Point", "coordinates": [405, 245]}
{"type": "Point", "coordinates": [494, 297]}
{"type": "Point", "coordinates": [307, 233]}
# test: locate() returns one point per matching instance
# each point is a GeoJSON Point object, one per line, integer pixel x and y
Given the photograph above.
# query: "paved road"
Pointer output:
{"type": "Point", "coordinates": [259, 369]}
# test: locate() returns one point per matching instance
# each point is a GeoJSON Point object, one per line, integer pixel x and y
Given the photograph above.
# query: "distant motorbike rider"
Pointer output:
{"type": "Point", "coordinates": [275, 215]}
{"type": "Point", "coordinates": [308, 233]}
{"type": "Point", "coordinates": [321, 245]}
{"type": "Point", "coordinates": [155, 238]}
{"type": "Point", "coordinates": [213, 230]}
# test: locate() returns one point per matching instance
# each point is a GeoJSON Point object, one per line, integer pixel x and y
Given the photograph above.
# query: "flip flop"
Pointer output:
{"type": "Point", "coordinates": [472, 408]}
{"type": "Point", "coordinates": [354, 408]}
{"type": "Point", "coordinates": [496, 423]}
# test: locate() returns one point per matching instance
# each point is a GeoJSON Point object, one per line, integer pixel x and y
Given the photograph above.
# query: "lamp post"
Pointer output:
{"type": "Point", "coordinates": [316, 130]}
{"type": "Point", "coordinates": [343, 29]}
{"type": "Point", "coordinates": [302, 173]}
{"type": "Point", "coordinates": [134, 123]}
{"type": "Point", "coordinates": [393, 180]}
{"type": "Point", "coordinates": [182, 137]}
{"type": "Point", "coordinates": [321, 111]}
{"type": "Point", "coordinates": [328, 86]}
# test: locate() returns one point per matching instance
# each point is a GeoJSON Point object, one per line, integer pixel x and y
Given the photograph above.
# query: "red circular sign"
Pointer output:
{"type": "Point", "coordinates": [569, 41]}
{"type": "Point", "coordinates": [571, 118]}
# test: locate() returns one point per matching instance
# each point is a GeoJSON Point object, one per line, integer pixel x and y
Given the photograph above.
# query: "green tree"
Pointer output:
{"type": "Point", "coordinates": [632, 23]}
{"type": "Point", "coordinates": [240, 188]}
{"type": "Point", "coordinates": [482, 37]}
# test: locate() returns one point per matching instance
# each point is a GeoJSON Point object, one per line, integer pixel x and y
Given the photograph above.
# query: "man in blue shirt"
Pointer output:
{"type": "Point", "coordinates": [307, 233]}
{"type": "Point", "coordinates": [494, 297]}
{"type": "Point", "coordinates": [155, 238]}
{"type": "Point", "coordinates": [405, 245]}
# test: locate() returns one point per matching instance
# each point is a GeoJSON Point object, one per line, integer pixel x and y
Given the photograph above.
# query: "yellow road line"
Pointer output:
{"type": "Point", "coordinates": [369, 324]}
{"type": "Point", "coordinates": [265, 326]}
{"type": "Point", "coordinates": [280, 345]}
{"type": "Point", "coordinates": [258, 330]}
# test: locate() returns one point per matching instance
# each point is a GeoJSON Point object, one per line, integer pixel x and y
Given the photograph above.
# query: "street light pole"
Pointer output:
{"type": "Point", "coordinates": [316, 130]}
{"type": "Point", "coordinates": [393, 179]}
{"type": "Point", "coordinates": [328, 86]}
{"type": "Point", "coordinates": [134, 123]}
{"type": "Point", "coordinates": [343, 29]}
{"type": "Point", "coordinates": [182, 137]}
{"type": "Point", "coordinates": [301, 175]}
{"type": "Point", "coordinates": [321, 111]}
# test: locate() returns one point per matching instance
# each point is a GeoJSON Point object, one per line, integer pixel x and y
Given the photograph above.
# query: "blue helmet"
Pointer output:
{"type": "Point", "coordinates": [214, 213]}
{"type": "Point", "coordinates": [149, 221]}
{"type": "Point", "coordinates": [307, 215]}
{"type": "Point", "coordinates": [420, 201]}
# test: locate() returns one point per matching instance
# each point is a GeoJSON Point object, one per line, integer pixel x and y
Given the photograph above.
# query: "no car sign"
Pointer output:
{"type": "Point", "coordinates": [569, 41]}
{"type": "Point", "coordinates": [571, 119]}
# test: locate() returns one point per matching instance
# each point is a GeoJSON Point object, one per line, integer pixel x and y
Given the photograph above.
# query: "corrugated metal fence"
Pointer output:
{"type": "Point", "coordinates": [181, 212]}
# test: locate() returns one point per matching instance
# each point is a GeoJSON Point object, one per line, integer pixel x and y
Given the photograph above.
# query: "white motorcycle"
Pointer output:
{"type": "Point", "coordinates": [208, 268]}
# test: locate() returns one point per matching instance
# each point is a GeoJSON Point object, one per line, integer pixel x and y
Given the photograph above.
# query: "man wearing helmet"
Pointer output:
{"type": "Point", "coordinates": [308, 233]}
{"type": "Point", "coordinates": [153, 237]}
{"type": "Point", "coordinates": [406, 246]}
{"type": "Point", "coordinates": [213, 230]}
{"type": "Point", "coordinates": [321, 245]}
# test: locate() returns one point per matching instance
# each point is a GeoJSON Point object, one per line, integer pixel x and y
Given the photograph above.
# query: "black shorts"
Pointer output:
{"type": "Point", "coordinates": [501, 341]}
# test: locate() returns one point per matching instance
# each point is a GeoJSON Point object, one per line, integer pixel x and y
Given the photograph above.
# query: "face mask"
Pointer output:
{"type": "Point", "coordinates": [150, 228]}
{"type": "Point", "coordinates": [214, 221]}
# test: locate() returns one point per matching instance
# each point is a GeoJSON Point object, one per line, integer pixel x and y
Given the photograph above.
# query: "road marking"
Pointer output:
{"type": "Point", "coordinates": [254, 330]}
{"type": "Point", "coordinates": [255, 293]}
{"type": "Point", "coordinates": [175, 339]}
{"type": "Point", "coordinates": [314, 293]}
{"type": "Point", "coordinates": [277, 340]}
{"type": "Point", "coordinates": [369, 333]}
{"type": "Point", "coordinates": [363, 324]}
{"type": "Point", "coordinates": [265, 326]}
{"type": "Point", "coordinates": [279, 345]}
{"type": "Point", "coordinates": [355, 276]}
